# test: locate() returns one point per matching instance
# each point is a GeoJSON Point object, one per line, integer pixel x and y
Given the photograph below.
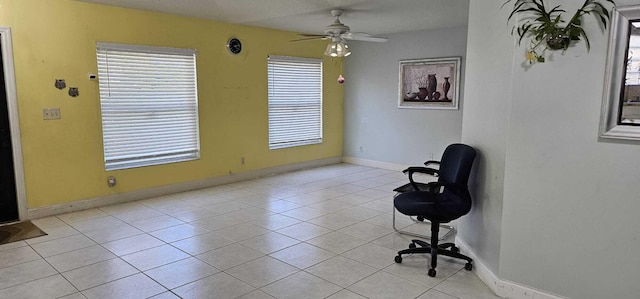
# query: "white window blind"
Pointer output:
{"type": "Point", "coordinates": [295, 101]}
{"type": "Point", "coordinates": [149, 105]}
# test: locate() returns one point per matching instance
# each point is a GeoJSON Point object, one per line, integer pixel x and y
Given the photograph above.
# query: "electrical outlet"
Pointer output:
{"type": "Point", "coordinates": [242, 161]}
{"type": "Point", "coordinates": [51, 113]}
{"type": "Point", "coordinates": [362, 149]}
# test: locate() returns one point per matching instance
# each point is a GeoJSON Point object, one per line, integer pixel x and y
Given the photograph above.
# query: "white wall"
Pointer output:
{"type": "Point", "coordinates": [373, 120]}
{"type": "Point", "coordinates": [570, 202]}
{"type": "Point", "coordinates": [485, 124]}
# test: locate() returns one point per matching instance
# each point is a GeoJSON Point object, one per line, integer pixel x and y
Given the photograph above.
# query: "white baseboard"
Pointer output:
{"type": "Point", "coordinates": [373, 163]}
{"type": "Point", "coordinates": [502, 288]}
{"type": "Point", "coordinates": [170, 189]}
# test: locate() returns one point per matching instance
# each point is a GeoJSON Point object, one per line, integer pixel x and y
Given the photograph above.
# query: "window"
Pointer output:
{"type": "Point", "coordinates": [149, 105]}
{"type": "Point", "coordinates": [295, 101]}
{"type": "Point", "coordinates": [630, 113]}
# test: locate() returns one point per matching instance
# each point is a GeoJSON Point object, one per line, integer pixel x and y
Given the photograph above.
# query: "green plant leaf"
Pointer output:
{"type": "Point", "coordinates": [604, 21]}
{"type": "Point", "coordinates": [602, 10]}
{"type": "Point", "coordinates": [540, 5]}
{"type": "Point", "coordinates": [522, 31]}
{"type": "Point", "coordinates": [586, 39]}
{"type": "Point", "coordinates": [514, 11]}
{"type": "Point", "coordinates": [556, 9]}
{"type": "Point", "coordinates": [527, 9]}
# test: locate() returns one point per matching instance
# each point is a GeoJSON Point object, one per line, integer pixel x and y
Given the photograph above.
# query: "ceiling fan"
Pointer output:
{"type": "Point", "coordinates": [338, 32]}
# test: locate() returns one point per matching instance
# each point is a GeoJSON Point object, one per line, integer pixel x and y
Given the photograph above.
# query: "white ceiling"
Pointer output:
{"type": "Point", "coordinates": [376, 17]}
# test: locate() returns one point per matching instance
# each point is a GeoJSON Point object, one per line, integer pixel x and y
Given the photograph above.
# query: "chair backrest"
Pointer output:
{"type": "Point", "coordinates": [456, 162]}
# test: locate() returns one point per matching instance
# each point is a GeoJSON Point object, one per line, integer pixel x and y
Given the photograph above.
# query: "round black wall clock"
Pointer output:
{"type": "Point", "coordinates": [234, 45]}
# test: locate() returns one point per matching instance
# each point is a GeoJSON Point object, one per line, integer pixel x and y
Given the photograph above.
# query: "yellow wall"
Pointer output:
{"type": "Point", "coordinates": [63, 159]}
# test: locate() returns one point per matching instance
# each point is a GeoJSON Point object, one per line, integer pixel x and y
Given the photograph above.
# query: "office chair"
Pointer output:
{"type": "Point", "coordinates": [418, 186]}
{"type": "Point", "coordinates": [443, 201]}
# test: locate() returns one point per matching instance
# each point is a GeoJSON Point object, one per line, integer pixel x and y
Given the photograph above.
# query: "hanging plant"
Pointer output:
{"type": "Point", "coordinates": [547, 29]}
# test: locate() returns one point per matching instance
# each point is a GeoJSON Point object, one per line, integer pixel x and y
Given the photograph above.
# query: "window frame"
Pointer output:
{"type": "Point", "coordinates": [610, 126]}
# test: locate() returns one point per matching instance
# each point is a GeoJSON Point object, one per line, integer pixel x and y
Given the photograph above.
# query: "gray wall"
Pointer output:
{"type": "Point", "coordinates": [569, 202]}
{"type": "Point", "coordinates": [373, 120]}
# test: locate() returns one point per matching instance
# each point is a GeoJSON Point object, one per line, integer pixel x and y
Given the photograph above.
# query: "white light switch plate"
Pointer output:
{"type": "Point", "coordinates": [51, 113]}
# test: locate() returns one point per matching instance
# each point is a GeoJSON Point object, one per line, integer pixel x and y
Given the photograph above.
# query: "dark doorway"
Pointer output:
{"type": "Point", "coordinates": [8, 198]}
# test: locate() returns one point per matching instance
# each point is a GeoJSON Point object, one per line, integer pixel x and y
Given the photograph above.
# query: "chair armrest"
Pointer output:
{"type": "Point", "coordinates": [431, 162]}
{"type": "Point", "coordinates": [420, 169]}
{"type": "Point", "coordinates": [414, 169]}
{"type": "Point", "coordinates": [434, 186]}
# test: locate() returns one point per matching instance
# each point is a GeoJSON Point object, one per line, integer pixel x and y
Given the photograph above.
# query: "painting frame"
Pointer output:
{"type": "Point", "coordinates": [423, 83]}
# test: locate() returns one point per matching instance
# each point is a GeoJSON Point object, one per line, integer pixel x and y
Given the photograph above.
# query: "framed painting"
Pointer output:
{"type": "Point", "coordinates": [430, 83]}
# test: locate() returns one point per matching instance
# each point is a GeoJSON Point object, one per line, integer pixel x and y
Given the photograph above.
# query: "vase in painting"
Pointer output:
{"type": "Point", "coordinates": [446, 86]}
{"type": "Point", "coordinates": [422, 93]}
{"type": "Point", "coordinates": [432, 84]}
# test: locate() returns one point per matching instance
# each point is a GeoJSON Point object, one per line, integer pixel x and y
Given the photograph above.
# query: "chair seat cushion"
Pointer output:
{"type": "Point", "coordinates": [440, 207]}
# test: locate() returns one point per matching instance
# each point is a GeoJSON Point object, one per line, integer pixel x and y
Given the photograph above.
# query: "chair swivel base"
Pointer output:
{"type": "Point", "coordinates": [451, 229]}
{"type": "Point", "coordinates": [453, 252]}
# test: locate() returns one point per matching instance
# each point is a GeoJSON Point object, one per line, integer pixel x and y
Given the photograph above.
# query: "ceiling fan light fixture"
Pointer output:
{"type": "Point", "coordinates": [346, 50]}
{"type": "Point", "coordinates": [337, 49]}
{"type": "Point", "coordinates": [332, 50]}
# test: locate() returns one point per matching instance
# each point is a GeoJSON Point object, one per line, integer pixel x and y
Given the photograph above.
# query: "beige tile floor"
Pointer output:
{"type": "Point", "coordinates": [319, 233]}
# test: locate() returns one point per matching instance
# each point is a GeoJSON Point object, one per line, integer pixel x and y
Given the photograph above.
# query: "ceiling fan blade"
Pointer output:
{"type": "Point", "coordinates": [310, 35]}
{"type": "Point", "coordinates": [309, 38]}
{"type": "Point", "coordinates": [361, 36]}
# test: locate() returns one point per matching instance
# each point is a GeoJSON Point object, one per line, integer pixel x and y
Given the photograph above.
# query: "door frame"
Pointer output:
{"type": "Point", "coordinates": [14, 120]}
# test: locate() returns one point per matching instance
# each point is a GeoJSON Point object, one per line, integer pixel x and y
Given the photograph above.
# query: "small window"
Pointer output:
{"type": "Point", "coordinates": [295, 101]}
{"type": "Point", "coordinates": [149, 105]}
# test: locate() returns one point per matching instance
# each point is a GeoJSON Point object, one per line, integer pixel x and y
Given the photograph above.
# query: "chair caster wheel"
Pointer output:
{"type": "Point", "coordinates": [432, 272]}
{"type": "Point", "coordinates": [398, 259]}
{"type": "Point", "coordinates": [455, 249]}
{"type": "Point", "coordinates": [412, 245]}
{"type": "Point", "coordinates": [420, 218]}
{"type": "Point", "coordinates": [468, 266]}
